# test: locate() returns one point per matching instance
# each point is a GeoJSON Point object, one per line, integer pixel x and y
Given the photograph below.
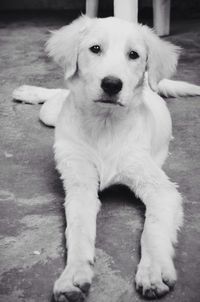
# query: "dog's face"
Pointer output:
{"type": "Point", "coordinates": [111, 62]}
{"type": "Point", "coordinates": [105, 59]}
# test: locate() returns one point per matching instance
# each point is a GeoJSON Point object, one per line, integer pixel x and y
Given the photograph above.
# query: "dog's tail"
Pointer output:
{"type": "Point", "coordinates": [169, 88]}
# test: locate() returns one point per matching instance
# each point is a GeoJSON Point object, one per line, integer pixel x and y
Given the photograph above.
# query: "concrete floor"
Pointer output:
{"type": "Point", "coordinates": [31, 196]}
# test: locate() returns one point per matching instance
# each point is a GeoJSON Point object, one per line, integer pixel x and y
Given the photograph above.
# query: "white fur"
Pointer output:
{"type": "Point", "coordinates": [98, 144]}
{"type": "Point", "coordinates": [51, 109]}
{"type": "Point", "coordinates": [33, 95]}
{"type": "Point", "coordinates": [171, 88]}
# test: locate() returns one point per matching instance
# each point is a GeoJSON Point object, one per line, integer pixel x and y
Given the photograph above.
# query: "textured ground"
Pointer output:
{"type": "Point", "coordinates": [31, 196]}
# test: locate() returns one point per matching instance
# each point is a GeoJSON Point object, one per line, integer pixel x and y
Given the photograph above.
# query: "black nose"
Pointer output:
{"type": "Point", "coordinates": [111, 85]}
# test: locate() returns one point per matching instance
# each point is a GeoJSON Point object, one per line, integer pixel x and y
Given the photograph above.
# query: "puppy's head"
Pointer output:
{"type": "Point", "coordinates": [105, 59]}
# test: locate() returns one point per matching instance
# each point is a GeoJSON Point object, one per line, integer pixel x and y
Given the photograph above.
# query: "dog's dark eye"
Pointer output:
{"type": "Point", "coordinates": [133, 55]}
{"type": "Point", "coordinates": [95, 49]}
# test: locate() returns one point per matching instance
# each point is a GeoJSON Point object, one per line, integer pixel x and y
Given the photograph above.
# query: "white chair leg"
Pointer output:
{"type": "Point", "coordinates": [161, 16]}
{"type": "Point", "coordinates": [126, 9]}
{"type": "Point", "coordinates": [92, 8]}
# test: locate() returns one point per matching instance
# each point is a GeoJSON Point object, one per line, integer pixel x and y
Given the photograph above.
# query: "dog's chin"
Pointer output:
{"type": "Point", "coordinates": [107, 102]}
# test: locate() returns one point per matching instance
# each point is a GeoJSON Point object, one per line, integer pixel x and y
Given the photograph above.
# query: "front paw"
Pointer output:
{"type": "Point", "coordinates": [155, 280]}
{"type": "Point", "coordinates": [74, 283]}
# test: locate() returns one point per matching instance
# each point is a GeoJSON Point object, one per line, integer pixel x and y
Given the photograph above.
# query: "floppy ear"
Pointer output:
{"type": "Point", "coordinates": [162, 57]}
{"type": "Point", "coordinates": [63, 44]}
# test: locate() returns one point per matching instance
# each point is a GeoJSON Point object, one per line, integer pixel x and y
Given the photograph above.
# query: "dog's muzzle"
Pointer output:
{"type": "Point", "coordinates": [111, 85]}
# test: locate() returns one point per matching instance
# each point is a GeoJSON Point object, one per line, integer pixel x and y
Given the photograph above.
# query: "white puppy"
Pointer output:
{"type": "Point", "coordinates": [112, 128]}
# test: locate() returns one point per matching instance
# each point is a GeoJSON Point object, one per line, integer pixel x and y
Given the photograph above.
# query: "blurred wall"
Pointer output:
{"type": "Point", "coordinates": [80, 4]}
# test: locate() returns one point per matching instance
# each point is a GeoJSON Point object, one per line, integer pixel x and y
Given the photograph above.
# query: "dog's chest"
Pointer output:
{"type": "Point", "coordinates": [114, 149]}
{"type": "Point", "coordinates": [108, 155]}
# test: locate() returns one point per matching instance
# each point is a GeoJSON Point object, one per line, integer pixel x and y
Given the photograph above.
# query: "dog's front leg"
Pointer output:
{"type": "Point", "coordinates": [81, 206]}
{"type": "Point", "coordinates": [156, 272]}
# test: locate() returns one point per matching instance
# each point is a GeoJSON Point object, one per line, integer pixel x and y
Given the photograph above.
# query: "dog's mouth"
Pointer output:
{"type": "Point", "coordinates": [109, 102]}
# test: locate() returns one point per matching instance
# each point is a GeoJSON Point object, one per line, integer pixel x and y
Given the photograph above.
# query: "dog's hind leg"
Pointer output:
{"type": "Point", "coordinates": [53, 100]}
{"type": "Point", "coordinates": [33, 94]}
{"type": "Point", "coordinates": [50, 110]}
